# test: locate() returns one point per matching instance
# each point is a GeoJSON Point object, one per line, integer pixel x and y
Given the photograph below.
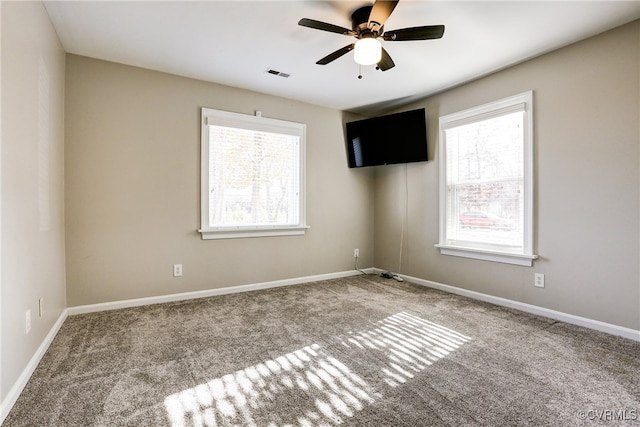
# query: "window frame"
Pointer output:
{"type": "Point", "coordinates": [491, 252]}
{"type": "Point", "coordinates": [212, 116]}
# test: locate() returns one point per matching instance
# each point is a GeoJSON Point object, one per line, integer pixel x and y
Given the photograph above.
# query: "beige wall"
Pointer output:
{"type": "Point", "coordinates": [133, 179]}
{"type": "Point", "coordinates": [32, 183]}
{"type": "Point", "coordinates": [587, 140]}
{"type": "Point", "coordinates": [132, 186]}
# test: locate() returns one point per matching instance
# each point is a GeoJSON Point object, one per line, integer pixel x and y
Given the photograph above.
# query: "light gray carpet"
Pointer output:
{"type": "Point", "coordinates": [354, 351]}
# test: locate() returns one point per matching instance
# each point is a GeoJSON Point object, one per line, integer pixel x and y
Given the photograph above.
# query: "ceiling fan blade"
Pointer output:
{"type": "Point", "coordinates": [415, 33]}
{"type": "Point", "coordinates": [380, 13]}
{"type": "Point", "coordinates": [319, 25]}
{"type": "Point", "coordinates": [337, 54]}
{"type": "Point", "coordinates": [385, 62]}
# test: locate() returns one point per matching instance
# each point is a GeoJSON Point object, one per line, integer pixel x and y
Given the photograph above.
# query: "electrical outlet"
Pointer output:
{"type": "Point", "coordinates": [538, 280]}
{"type": "Point", "coordinates": [177, 270]}
{"type": "Point", "coordinates": [40, 307]}
{"type": "Point", "coordinates": [27, 322]}
{"type": "Point", "coordinates": [356, 253]}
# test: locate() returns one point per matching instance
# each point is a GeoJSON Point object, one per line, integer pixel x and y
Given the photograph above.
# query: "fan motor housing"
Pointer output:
{"type": "Point", "coordinates": [360, 20]}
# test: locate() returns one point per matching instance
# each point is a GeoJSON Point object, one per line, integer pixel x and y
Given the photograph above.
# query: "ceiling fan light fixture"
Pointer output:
{"type": "Point", "coordinates": [368, 51]}
{"type": "Point", "coordinates": [367, 25]}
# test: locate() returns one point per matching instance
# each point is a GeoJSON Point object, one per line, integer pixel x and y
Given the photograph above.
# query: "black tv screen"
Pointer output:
{"type": "Point", "coordinates": [385, 140]}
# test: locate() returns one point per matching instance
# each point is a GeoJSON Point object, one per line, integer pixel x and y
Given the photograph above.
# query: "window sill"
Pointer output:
{"type": "Point", "coordinates": [241, 232]}
{"type": "Point", "coordinates": [488, 255]}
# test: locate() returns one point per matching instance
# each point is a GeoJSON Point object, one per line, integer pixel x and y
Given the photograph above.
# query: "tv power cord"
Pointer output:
{"type": "Point", "coordinates": [391, 275]}
{"type": "Point", "coordinates": [355, 266]}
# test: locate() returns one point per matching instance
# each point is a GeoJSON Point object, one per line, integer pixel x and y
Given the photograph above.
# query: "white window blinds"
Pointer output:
{"type": "Point", "coordinates": [252, 176]}
{"type": "Point", "coordinates": [486, 181]}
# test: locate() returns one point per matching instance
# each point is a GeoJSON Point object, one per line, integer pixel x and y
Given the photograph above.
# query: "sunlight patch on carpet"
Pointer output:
{"type": "Point", "coordinates": [314, 382]}
{"type": "Point", "coordinates": [410, 343]}
{"type": "Point", "coordinates": [234, 397]}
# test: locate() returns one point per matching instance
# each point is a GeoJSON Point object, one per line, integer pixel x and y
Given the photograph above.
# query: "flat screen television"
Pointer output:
{"type": "Point", "coordinates": [385, 140]}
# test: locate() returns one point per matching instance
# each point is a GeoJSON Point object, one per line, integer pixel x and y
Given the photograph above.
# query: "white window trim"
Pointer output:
{"type": "Point", "coordinates": [526, 256]}
{"type": "Point", "coordinates": [259, 123]}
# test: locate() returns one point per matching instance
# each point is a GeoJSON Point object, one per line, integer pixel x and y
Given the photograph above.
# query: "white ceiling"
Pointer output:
{"type": "Point", "coordinates": [235, 42]}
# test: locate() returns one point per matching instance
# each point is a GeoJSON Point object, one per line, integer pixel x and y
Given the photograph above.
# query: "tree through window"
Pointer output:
{"type": "Point", "coordinates": [253, 181]}
{"type": "Point", "coordinates": [486, 182]}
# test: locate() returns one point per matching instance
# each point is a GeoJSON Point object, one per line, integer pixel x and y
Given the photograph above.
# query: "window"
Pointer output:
{"type": "Point", "coordinates": [252, 176]}
{"type": "Point", "coordinates": [486, 182]}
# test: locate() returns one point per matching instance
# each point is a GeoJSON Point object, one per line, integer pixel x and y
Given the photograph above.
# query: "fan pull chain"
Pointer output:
{"type": "Point", "coordinates": [359, 71]}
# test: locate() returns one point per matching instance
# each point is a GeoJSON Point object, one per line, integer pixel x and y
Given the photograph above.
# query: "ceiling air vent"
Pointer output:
{"type": "Point", "coordinates": [277, 73]}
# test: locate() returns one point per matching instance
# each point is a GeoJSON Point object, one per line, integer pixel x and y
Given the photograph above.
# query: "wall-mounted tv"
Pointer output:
{"type": "Point", "coordinates": [385, 140]}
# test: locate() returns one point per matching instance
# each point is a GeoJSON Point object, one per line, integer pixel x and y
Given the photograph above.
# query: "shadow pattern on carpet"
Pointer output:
{"type": "Point", "coordinates": [354, 351]}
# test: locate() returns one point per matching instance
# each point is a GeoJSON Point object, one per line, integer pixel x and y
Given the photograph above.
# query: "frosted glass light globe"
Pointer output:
{"type": "Point", "coordinates": [368, 51]}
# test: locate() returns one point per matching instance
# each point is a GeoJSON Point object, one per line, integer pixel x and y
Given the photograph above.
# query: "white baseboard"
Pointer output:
{"type": "Point", "coordinates": [597, 325]}
{"type": "Point", "coordinates": [528, 308]}
{"type": "Point", "coordinates": [19, 385]}
{"type": "Point", "coordinates": [15, 391]}
{"type": "Point", "coordinates": [91, 308]}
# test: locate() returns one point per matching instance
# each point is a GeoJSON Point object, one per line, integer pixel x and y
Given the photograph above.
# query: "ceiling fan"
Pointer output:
{"type": "Point", "coordinates": [367, 27]}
